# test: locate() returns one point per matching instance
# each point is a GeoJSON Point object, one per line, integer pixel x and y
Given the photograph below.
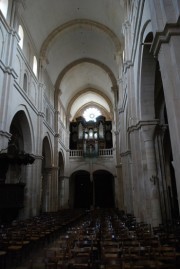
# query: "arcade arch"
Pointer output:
{"type": "Point", "coordinates": [89, 191]}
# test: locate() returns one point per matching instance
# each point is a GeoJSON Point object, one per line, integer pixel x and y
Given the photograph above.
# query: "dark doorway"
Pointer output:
{"type": "Point", "coordinates": [103, 189]}
{"type": "Point", "coordinates": [83, 190]}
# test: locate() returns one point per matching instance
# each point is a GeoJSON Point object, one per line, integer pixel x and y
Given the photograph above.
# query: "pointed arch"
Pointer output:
{"type": "Point", "coordinates": [79, 61]}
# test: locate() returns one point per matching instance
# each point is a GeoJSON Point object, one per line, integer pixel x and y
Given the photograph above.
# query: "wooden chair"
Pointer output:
{"type": "Point", "coordinates": [166, 255]}
{"type": "Point", "coordinates": [79, 263]}
{"type": "Point", "coordinates": [50, 259]}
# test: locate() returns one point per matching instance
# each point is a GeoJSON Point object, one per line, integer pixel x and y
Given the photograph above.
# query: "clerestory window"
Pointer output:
{"type": "Point", "coordinates": [21, 35]}
{"type": "Point", "coordinates": [4, 7]}
{"type": "Point", "coordinates": [35, 65]}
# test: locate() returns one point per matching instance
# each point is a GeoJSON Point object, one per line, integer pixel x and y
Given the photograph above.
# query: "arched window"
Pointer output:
{"type": "Point", "coordinates": [21, 35]}
{"type": "Point", "coordinates": [35, 65]}
{"type": "Point", "coordinates": [4, 7]}
{"type": "Point", "coordinates": [25, 82]}
{"type": "Point", "coordinates": [47, 114]}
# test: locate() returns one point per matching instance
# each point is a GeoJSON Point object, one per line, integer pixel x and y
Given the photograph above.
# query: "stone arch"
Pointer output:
{"type": "Point", "coordinates": [28, 129]}
{"type": "Point", "coordinates": [20, 143]}
{"type": "Point", "coordinates": [103, 188]}
{"type": "Point", "coordinates": [80, 189]}
{"type": "Point", "coordinates": [88, 23]}
{"type": "Point", "coordinates": [22, 126]}
{"type": "Point", "coordinates": [92, 103]}
{"type": "Point", "coordinates": [17, 163]}
{"type": "Point", "coordinates": [79, 61]}
{"type": "Point", "coordinates": [47, 152]}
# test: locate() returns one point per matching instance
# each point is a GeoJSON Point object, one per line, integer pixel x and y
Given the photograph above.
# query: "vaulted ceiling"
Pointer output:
{"type": "Point", "coordinates": [81, 44]}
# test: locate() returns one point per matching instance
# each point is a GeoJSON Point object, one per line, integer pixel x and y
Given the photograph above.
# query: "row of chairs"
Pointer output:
{"type": "Point", "coordinates": [20, 238]}
{"type": "Point", "coordinates": [104, 240]}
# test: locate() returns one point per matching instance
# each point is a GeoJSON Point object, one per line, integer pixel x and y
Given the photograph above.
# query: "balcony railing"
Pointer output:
{"type": "Point", "coordinates": [105, 152]}
{"type": "Point", "coordinates": [101, 152]}
{"type": "Point", "coordinates": [75, 153]}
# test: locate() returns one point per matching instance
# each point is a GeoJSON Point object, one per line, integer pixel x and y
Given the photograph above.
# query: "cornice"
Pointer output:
{"type": "Point", "coordinates": [141, 124]}
{"type": "Point", "coordinates": [125, 153]}
{"type": "Point", "coordinates": [6, 134]}
{"type": "Point", "coordinates": [9, 70]}
{"type": "Point", "coordinates": [164, 37]}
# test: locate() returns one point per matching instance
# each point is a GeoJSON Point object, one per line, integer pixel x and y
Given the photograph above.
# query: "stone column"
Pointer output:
{"type": "Point", "coordinates": [54, 189]}
{"type": "Point", "coordinates": [151, 186]}
{"type": "Point", "coordinates": [66, 192]}
{"type": "Point", "coordinates": [27, 211]}
{"type": "Point", "coordinates": [60, 191]}
{"type": "Point", "coordinates": [119, 188]}
{"type": "Point", "coordinates": [37, 185]}
{"type": "Point", "coordinates": [162, 177]}
{"type": "Point", "coordinates": [48, 190]}
{"type": "Point", "coordinates": [168, 55]}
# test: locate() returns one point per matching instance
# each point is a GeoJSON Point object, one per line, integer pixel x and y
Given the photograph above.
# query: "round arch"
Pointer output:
{"type": "Point", "coordinates": [20, 143]}
{"type": "Point", "coordinates": [21, 132]}
{"type": "Point", "coordinates": [103, 188]}
{"type": "Point", "coordinates": [46, 153]}
{"type": "Point", "coordinates": [14, 171]}
{"type": "Point", "coordinates": [80, 189]}
{"type": "Point", "coordinates": [96, 190]}
{"type": "Point", "coordinates": [78, 22]}
{"type": "Point", "coordinates": [25, 122]}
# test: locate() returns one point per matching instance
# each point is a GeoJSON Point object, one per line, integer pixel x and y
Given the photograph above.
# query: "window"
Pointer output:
{"type": "Point", "coordinates": [4, 7]}
{"type": "Point", "coordinates": [21, 35]}
{"type": "Point", "coordinates": [91, 113]}
{"type": "Point", "coordinates": [35, 65]}
{"type": "Point", "coordinates": [25, 83]}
